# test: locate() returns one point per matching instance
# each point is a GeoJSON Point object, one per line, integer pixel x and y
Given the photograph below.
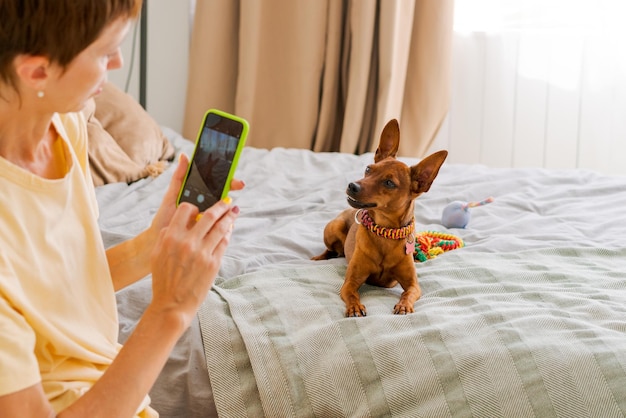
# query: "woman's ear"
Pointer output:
{"type": "Point", "coordinates": [32, 71]}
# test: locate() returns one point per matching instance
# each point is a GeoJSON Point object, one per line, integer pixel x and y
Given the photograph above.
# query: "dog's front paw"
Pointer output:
{"type": "Point", "coordinates": [355, 310]}
{"type": "Point", "coordinates": [402, 309]}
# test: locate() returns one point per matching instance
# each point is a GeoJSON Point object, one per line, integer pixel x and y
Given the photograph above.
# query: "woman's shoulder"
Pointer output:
{"type": "Point", "coordinates": [72, 127]}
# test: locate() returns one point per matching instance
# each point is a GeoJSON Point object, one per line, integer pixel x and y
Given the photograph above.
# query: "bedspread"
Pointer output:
{"type": "Point", "coordinates": [527, 320]}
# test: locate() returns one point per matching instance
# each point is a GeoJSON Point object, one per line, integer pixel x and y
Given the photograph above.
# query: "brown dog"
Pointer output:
{"type": "Point", "coordinates": [377, 236]}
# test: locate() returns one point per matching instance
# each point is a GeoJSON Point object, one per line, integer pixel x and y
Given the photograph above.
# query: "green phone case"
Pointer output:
{"type": "Point", "coordinates": [235, 161]}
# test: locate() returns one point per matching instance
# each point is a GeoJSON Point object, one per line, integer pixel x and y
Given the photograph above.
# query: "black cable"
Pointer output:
{"type": "Point", "coordinates": [143, 57]}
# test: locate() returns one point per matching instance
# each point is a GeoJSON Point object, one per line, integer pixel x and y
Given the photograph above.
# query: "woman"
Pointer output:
{"type": "Point", "coordinates": [59, 353]}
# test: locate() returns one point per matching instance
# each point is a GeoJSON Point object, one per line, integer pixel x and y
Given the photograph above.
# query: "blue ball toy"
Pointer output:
{"type": "Point", "coordinates": [457, 214]}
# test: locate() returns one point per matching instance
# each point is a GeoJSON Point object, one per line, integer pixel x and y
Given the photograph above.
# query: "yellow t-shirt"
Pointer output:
{"type": "Point", "coordinates": [58, 316]}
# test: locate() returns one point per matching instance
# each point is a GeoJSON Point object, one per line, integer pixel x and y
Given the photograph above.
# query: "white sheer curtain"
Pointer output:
{"type": "Point", "coordinates": [539, 83]}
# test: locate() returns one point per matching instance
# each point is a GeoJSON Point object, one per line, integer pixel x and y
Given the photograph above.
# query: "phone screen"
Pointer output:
{"type": "Point", "coordinates": [216, 150]}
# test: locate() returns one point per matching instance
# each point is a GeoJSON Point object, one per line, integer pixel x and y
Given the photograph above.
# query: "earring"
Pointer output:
{"type": "Point", "coordinates": [40, 94]}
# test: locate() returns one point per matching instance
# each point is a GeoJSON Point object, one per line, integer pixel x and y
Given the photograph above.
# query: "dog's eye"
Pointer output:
{"type": "Point", "coordinates": [367, 169]}
{"type": "Point", "coordinates": [389, 184]}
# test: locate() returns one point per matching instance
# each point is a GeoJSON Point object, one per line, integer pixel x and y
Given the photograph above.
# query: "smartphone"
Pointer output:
{"type": "Point", "coordinates": [220, 140]}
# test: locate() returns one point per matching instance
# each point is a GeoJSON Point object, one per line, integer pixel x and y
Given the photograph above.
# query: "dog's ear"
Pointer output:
{"type": "Point", "coordinates": [423, 173]}
{"type": "Point", "coordinates": [389, 141]}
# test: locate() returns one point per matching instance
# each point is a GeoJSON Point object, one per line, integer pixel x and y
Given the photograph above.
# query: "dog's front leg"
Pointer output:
{"type": "Point", "coordinates": [410, 295]}
{"type": "Point", "coordinates": [350, 295]}
{"type": "Point", "coordinates": [356, 275]}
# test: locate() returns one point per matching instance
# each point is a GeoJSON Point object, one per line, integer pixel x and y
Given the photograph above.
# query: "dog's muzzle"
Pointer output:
{"type": "Point", "coordinates": [352, 191]}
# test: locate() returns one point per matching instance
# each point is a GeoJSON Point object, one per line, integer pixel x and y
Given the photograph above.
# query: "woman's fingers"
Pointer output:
{"type": "Point", "coordinates": [215, 242]}
{"type": "Point", "coordinates": [236, 184]}
{"type": "Point", "coordinates": [177, 178]}
{"type": "Point", "coordinates": [189, 252]}
{"type": "Point", "coordinates": [168, 204]}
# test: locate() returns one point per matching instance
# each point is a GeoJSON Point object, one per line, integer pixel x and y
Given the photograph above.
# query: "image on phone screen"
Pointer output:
{"type": "Point", "coordinates": [212, 161]}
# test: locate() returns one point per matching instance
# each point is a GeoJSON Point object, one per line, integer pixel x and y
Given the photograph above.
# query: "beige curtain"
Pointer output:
{"type": "Point", "coordinates": [324, 75]}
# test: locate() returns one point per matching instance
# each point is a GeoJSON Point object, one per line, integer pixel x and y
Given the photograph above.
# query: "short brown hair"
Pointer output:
{"type": "Point", "coordinates": [57, 29]}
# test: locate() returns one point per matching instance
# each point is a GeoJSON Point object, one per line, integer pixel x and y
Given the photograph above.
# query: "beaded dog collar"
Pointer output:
{"type": "Point", "coordinates": [405, 232]}
{"type": "Point", "coordinates": [381, 231]}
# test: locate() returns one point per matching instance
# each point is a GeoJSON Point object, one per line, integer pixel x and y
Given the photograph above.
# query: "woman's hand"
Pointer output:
{"type": "Point", "coordinates": [189, 249]}
{"type": "Point", "coordinates": [187, 257]}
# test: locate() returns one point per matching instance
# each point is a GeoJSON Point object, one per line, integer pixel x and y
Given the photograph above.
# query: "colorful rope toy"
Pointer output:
{"type": "Point", "coordinates": [457, 215]}
{"type": "Point", "coordinates": [430, 244]}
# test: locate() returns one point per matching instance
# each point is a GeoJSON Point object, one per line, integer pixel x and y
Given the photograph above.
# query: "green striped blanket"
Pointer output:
{"type": "Point", "coordinates": [536, 333]}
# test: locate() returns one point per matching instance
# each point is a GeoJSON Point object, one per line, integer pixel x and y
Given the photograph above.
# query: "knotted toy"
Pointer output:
{"type": "Point", "coordinates": [457, 214]}
{"type": "Point", "coordinates": [430, 244]}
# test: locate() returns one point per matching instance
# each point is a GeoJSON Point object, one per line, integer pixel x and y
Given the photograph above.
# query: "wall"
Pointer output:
{"type": "Point", "coordinates": [167, 57]}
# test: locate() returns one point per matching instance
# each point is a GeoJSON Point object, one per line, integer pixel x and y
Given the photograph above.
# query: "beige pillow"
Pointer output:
{"type": "Point", "coordinates": [125, 143]}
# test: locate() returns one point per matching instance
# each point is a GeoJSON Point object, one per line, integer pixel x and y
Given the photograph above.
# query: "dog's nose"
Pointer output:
{"type": "Point", "coordinates": [354, 188]}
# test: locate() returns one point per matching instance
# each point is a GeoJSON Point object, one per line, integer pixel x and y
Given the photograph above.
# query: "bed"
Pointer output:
{"type": "Point", "coordinates": [528, 319]}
